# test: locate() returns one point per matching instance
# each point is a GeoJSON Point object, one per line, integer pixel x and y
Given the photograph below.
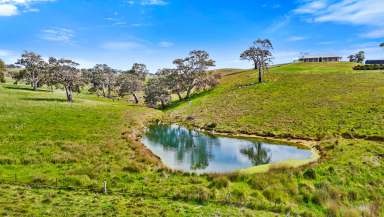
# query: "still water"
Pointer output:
{"type": "Point", "coordinates": [191, 151]}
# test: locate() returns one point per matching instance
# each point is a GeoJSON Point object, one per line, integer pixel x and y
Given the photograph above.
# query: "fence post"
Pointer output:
{"type": "Point", "coordinates": [15, 178]}
{"type": "Point", "coordinates": [105, 186]}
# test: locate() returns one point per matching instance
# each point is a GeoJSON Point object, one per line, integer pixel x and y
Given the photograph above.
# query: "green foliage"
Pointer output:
{"type": "Point", "coordinates": [369, 67]}
{"type": "Point", "coordinates": [2, 71]}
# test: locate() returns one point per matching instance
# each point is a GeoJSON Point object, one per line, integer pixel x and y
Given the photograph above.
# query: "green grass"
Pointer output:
{"type": "Point", "coordinates": [46, 141]}
{"type": "Point", "coordinates": [299, 100]}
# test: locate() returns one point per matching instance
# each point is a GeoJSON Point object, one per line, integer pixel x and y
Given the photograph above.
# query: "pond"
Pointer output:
{"type": "Point", "coordinates": [192, 151]}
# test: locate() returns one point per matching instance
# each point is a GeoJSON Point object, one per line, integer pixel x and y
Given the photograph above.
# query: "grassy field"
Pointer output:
{"type": "Point", "coordinates": [55, 156]}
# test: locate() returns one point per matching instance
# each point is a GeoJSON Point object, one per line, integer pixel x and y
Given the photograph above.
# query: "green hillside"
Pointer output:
{"type": "Point", "coordinates": [298, 100]}
{"type": "Point", "coordinates": [55, 156]}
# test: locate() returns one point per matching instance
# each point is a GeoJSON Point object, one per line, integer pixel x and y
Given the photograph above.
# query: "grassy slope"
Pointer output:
{"type": "Point", "coordinates": [46, 141]}
{"type": "Point", "coordinates": [311, 101]}
{"type": "Point", "coordinates": [303, 100]}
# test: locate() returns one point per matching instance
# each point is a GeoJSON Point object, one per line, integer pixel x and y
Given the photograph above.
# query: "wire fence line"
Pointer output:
{"type": "Point", "coordinates": [143, 192]}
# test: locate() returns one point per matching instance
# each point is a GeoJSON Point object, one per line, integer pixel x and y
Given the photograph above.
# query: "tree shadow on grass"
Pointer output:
{"type": "Point", "coordinates": [24, 88]}
{"type": "Point", "coordinates": [44, 99]}
{"type": "Point", "coordinates": [175, 104]}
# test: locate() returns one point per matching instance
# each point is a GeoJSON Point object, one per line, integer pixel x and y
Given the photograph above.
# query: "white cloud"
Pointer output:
{"type": "Point", "coordinates": [154, 2]}
{"type": "Point", "coordinates": [377, 33]}
{"type": "Point", "coordinates": [296, 38]}
{"type": "Point", "coordinates": [357, 12]}
{"type": "Point", "coordinates": [12, 7]}
{"type": "Point", "coordinates": [311, 6]}
{"type": "Point", "coordinates": [8, 10]}
{"type": "Point", "coordinates": [57, 34]}
{"type": "Point", "coordinates": [119, 45]}
{"type": "Point", "coordinates": [165, 44]}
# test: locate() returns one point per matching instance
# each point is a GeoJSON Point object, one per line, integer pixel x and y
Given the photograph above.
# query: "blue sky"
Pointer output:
{"type": "Point", "coordinates": [155, 32]}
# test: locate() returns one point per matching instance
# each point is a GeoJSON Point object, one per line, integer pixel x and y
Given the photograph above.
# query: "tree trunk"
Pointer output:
{"type": "Point", "coordinates": [260, 74]}
{"type": "Point", "coordinates": [189, 92]}
{"type": "Point", "coordinates": [135, 97]}
{"type": "Point", "coordinates": [162, 103]}
{"type": "Point", "coordinates": [178, 94]}
{"type": "Point", "coordinates": [68, 92]}
{"type": "Point", "coordinates": [255, 66]}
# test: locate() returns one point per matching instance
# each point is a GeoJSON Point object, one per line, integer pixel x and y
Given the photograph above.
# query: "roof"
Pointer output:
{"type": "Point", "coordinates": [321, 56]}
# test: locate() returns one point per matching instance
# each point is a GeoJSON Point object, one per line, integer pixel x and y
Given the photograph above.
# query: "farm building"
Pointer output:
{"type": "Point", "coordinates": [373, 62]}
{"type": "Point", "coordinates": [318, 59]}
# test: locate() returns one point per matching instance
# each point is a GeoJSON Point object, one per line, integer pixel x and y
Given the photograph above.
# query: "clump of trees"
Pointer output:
{"type": "Point", "coordinates": [357, 58]}
{"type": "Point", "coordinates": [2, 71]}
{"type": "Point", "coordinates": [260, 53]}
{"type": "Point", "coordinates": [190, 74]}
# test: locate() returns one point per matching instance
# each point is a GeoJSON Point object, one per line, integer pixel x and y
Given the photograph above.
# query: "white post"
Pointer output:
{"type": "Point", "coordinates": [105, 186]}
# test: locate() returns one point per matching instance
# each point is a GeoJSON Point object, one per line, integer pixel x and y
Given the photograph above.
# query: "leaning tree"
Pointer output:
{"type": "Point", "coordinates": [68, 75]}
{"type": "Point", "coordinates": [260, 53]}
{"type": "Point", "coordinates": [33, 72]}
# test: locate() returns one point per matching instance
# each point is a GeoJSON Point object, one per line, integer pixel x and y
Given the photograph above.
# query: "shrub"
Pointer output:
{"type": "Point", "coordinates": [219, 182]}
{"type": "Point", "coordinates": [369, 67]}
{"type": "Point", "coordinates": [310, 174]}
{"type": "Point", "coordinates": [133, 167]}
{"type": "Point", "coordinates": [195, 193]}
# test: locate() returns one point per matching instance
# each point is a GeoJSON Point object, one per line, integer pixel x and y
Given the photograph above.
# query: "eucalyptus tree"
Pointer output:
{"type": "Point", "coordinates": [260, 53]}
{"type": "Point", "coordinates": [174, 81]}
{"type": "Point", "coordinates": [156, 91]}
{"type": "Point", "coordinates": [33, 72]}
{"type": "Point", "coordinates": [2, 71]}
{"type": "Point", "coordinates": [132, 81]}
{"type": "Point", "coordinates": [193, 69]}
{"type": "Point", "coordinates": [67, 75]}
{"type": "Point", "coordinates": [103, 79]}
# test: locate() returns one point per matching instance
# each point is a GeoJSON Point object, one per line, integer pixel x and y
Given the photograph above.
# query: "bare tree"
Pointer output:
{"type": "Point", "coordinates": [260, 53]}
{"type": "Point", "coordinates": [193, 68]}
{"type": "Point", "coordinates": [67, 74]}
{"type": "Point", "coordinates": [33, 72]}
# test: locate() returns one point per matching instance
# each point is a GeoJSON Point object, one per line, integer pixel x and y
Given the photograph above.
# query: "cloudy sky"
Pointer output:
{"type": "Point", "coordinates": [155, 32]}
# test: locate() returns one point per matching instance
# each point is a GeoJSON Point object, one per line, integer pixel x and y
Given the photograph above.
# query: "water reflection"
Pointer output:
{"type": "Point", "coordinates": [189, 150]}
{"type": "Point", "coordinates": [257, 154]}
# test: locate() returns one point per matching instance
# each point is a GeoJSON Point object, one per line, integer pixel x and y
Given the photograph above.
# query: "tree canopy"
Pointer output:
{"type": "Point", "coordinates": [2, 71]}
{"type": "Point", "coordinates": [260, 53]}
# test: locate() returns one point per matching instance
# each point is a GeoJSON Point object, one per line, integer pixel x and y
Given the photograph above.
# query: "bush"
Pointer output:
{"type": "Point", "coordinates": [310, 174]}
{"type": "Point", "coordinates": [369, 67]}
{"type": "Point", "coordinates": [219, 182]}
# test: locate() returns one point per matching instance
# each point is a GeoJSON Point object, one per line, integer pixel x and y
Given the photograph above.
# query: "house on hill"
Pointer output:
{"type": "Point", "coordinates": [319, 59]}
{"type": "Point", "coordinates": [374, 62]}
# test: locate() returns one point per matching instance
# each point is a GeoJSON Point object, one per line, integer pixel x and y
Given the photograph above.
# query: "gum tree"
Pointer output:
{"type": "Point", "coordinates": [2, 71]}
{"type": "Point", "coordinates": [193, 69]}
{"type": "Point", "coordinates": [156, 90]}
{"type": "Point", "coordinates": [260, 53]}
{"type": "Point", "coordinates": [132, 81]}
{"type": "Point", "coordinates": [67, 75]}
{"type": "Point", "coordinates": [33, 72]}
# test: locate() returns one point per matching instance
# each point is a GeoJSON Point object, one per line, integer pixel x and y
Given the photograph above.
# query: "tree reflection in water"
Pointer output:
{"type": "Point", "coordinates": [199, 147]}
{"type": "Point", "coordinates": [257, 154]}
{"type": "Point", "coordinates": [185, 143]}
